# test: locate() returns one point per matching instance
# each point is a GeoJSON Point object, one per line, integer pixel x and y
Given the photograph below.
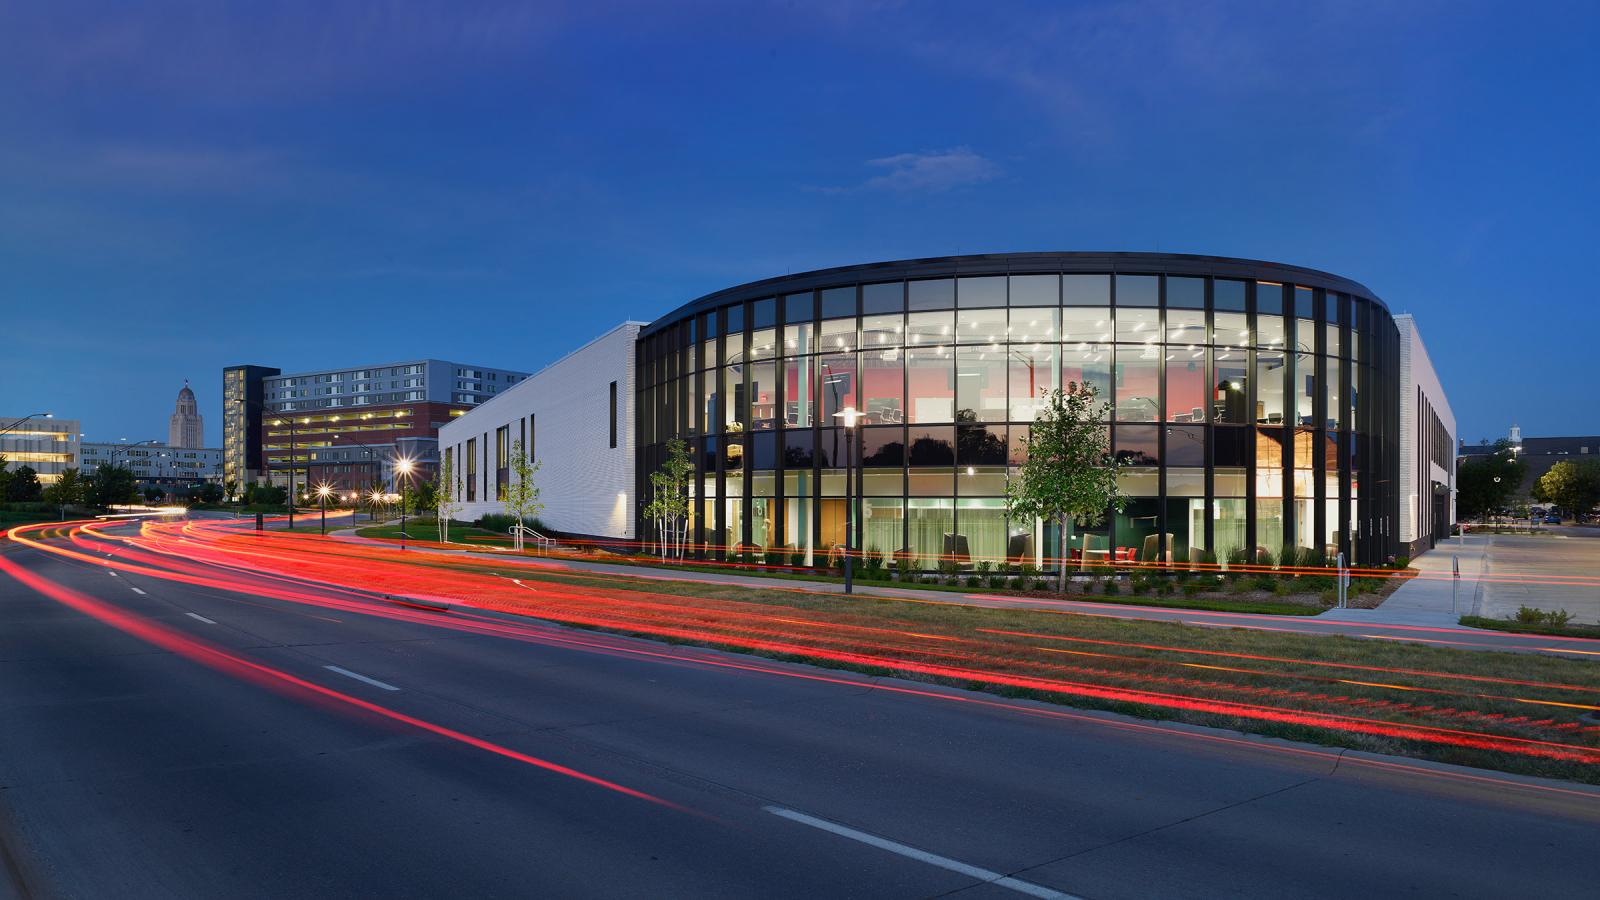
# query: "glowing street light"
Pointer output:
{"type": "Point", "coordinates": [324, 490]}
{"type": "Point", "coordinates": [850, 415]}
{"type": "Point", "coordinates": [402, 469]}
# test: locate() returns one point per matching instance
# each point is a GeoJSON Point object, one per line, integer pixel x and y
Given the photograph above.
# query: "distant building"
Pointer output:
{"type": "Point", "coordinates": [48, 446]}
{"type": "Point", "coordinates": [243, 399]}
{"type": "Point", "coordinates": [1539, 453]}
{"type": "Point", "coordinates": [347, 427]}
{"type": "Point", "coordinates": [159, 464]}
{"type": "Point", "coordinates": [187, 428]}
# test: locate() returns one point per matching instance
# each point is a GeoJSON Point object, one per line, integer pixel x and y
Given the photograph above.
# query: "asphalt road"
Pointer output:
{"type": "Point", "coordinates": [127, 770]}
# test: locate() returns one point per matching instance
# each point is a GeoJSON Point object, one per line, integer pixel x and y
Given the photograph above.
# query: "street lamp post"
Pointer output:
{"type": "Point", "coordinates": [20, 422]}
{"type": "Point", "coordinates": [850, 415]}
{"type": "Point", "coordinates": [323, 490]}
{"type": "Point", "coordinates": [402, 469]}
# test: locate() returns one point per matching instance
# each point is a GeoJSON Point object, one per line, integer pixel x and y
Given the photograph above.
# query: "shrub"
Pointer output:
{"type": "Point", "coordinates": [974, 581]}
{"type": "Point", "coordinates": [1327, 596]}
{"type": "Point", "coordinates": [1164, 586]}
{"type": "Point", "coordinates": [1236, 558]}
{"type": "Point", "coordinates": [1558, 619]}
{"type": "Point", "coordinates": [1264, 557]}
{"type": "Point", "coordinates": [949, 569]}
{"type": "Point", "coordinates": [1401, 562]}
{"type": "Point", "coordinates": [1110, 588]}
{"type": "Point", "coordinates": [1192, 588]}
{"type": "Point", "coordinates": [1017, 583]}
{"type": "Point", "coordinates": [1527, 615]}
{"type": "Point", "coordinates": [902, 568]}
{"type": "Point", "coordinates": [497, 522]}
{"type": "Point", "coordinates": [997, 581]}
{"type": "Point", "coordinates": [797, 560]}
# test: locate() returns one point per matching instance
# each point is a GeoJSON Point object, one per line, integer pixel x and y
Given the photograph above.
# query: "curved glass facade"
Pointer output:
{"type": "Point", "coordinates": [1255, 406]}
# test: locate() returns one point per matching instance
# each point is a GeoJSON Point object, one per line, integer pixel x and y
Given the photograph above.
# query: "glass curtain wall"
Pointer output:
{"type": "Point", "coordinates": [1237, 405]}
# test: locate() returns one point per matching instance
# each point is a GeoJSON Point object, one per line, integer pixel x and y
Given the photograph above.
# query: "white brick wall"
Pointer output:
{"type": "Point", "coordinates": [587, 487]}
{"type": "Point", "coordinates": [1416, 370]}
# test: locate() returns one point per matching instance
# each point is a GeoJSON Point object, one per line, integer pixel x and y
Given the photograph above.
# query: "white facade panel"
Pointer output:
{"type": "Point", "coordinates": [585, 484]}
{"type": "Point", "coordinates": [1421, 391]}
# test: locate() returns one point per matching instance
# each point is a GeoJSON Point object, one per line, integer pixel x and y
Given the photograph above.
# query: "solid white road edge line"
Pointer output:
{"type": "Point", "coordinates": [932, 859]}
{"type": "Point", "coordinates": [359, 677]}
{"type": "Point", "coordinates": [193, 615]}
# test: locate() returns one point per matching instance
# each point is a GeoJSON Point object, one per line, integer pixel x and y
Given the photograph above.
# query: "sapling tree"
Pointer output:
{"type": "Point", "coordinates": [1069, 475]}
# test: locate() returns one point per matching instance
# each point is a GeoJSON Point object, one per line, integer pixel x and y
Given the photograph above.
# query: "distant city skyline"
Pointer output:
{"type": "Point", "coordinates": [299, 185]}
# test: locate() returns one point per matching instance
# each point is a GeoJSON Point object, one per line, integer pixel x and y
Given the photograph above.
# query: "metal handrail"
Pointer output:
{"type": "Point", "coordinates": [538, 539]}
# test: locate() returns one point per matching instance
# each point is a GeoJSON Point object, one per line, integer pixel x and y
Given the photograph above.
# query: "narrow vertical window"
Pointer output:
{"type": "Point", "coordinates": [613, 415]}
{"type": "Point", "coordinates": [533, 435]}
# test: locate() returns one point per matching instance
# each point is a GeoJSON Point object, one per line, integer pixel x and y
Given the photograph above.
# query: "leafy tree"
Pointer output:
{"type": "Point", "coordinates": [446, 488]}
{"type": "Point", "coordinates": [5, 476]}
{"type": "Point", "coordinates": [1069, 474]}
{"type": "Point", "coordinates": [1477, 492]}
{"type": "Point", "coordinates": [71, 488]}
{"type": "Point", "coordinates": [522, 495]}
{"type": "Point", "coordinates": [1572, 485]}
{"type": "Point", "coordinates": [23, 486]}
{"type": "Point", "coordinates": [154, 494]}
{"type": "Point", "coordinates": [424, 496]}
{"type": "Point", "coordinates": [230, 490]}
{"type": "Point", "coordinates": [112, 484]}
{"type": "Point", "coordinates": [258, 494]}
{"type": "Point", "coordinates": [669, 501]}
{"type": "Point", "coordinates": [208, 492]}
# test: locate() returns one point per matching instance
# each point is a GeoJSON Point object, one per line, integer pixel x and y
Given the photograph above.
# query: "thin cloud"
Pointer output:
{"type": "Point", "coordinates": [931, 172]}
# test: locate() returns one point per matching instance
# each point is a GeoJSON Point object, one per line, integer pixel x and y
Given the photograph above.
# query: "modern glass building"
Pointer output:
{"type": "Point", "coordinates": [1256, 406]}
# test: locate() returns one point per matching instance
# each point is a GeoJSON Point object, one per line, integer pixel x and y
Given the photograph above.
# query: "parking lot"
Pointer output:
{"type": "Point", "coordinates": [1566, 550]}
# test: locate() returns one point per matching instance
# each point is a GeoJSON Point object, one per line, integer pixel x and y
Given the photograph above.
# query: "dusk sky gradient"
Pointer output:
{"type": "Point", "coordinates": [185, 186]}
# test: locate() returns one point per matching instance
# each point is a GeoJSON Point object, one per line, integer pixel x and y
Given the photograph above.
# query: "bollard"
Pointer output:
{"type": "Point", "coordinates": [260, 523]}
{"type": "Point", "coordinates": [1455, 581]}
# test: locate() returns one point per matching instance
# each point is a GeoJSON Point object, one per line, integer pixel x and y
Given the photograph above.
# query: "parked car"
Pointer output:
{"type": "Point", "coordinates": [1552, 520]}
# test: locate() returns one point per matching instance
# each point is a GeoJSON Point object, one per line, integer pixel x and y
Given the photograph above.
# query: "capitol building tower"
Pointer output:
{"type": "Point", "coordinates": [186, 429]}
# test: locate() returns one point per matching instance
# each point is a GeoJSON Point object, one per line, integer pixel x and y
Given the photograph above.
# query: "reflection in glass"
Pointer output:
{"type": "Point", "coordinates": [1138, 383]}
{"type": "Point", "coordinates": [1088, 364]}
{"type": "Point", "coordinates": [882, 387]}
{"type": "Point", "coordinates": [930, 385]}
{"type": "Point", "coordinates": [1035, 290]}
{"type": "Point", "coordinates": [1089, 324]}
{"type": "Point", "coordinates": [1138, 290]}
{"type": "Point", "coordinates": [1086, 290]}
{"type": "Point", "coordinates": [1270, 375]}
{"type": "Point", "coordinates": [763, 396]}
{"type": "Point", "coordinates": [980, 384]}
{"type": "Point", "coordinates": [838, 387]}
{"type": "Point", "coordinates": [1033, 375]}
{"type": "Point", "coordinates": [982, 326]}
{"type": "Point", "coordinates": [926, 328]}
{"type": "Point", "coordinates": [1186, 384]}
{"type": "Point", "coordinates": [799, 386]}
{"type": "Point", "coordinates": [981, 291]}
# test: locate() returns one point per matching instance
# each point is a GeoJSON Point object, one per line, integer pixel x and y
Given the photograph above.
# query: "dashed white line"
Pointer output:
{"type": "Point", "coordinates": [195, 616]}
{"type": "Point", "coordinates": [932, 859]}
{"type": "Point", "coordinates": [359, 677]}
{"type": "Point", "coordinates": [134, 589]}
{"type": "Point", "coordinates": [111, 573]}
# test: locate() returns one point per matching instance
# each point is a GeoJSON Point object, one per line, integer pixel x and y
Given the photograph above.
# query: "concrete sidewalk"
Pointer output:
{"type": "Point", "coordinates": [1434, 600]}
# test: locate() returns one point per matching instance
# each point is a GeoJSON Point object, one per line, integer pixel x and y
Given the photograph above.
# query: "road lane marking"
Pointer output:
{"type": "Point", "coordinates": [197, 616]}
{"type": "Point", "coordinates": [932, 859]}
{"type": "Point", "coordinates": [111, 573]}
{"type": "Point", "coordinates": [134, 589]}
{"type": "Point", "coordinates": [359, 677]}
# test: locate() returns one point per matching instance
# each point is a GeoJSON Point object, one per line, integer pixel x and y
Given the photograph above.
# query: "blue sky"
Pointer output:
{"type": "Point", "coordinates": [185, 186]}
